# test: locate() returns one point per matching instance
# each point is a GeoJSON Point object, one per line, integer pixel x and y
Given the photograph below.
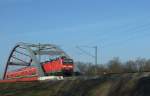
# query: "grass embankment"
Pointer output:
{"type": "Point", "coordinates": [127, 85]}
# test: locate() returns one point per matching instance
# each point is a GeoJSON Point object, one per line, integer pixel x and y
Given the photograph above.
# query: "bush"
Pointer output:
{"type": "Point", "coordinates": [114, 66]}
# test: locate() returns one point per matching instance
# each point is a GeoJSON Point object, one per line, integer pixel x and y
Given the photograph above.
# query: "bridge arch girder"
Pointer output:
{"type": "Point", "coordinates": [33, 50]}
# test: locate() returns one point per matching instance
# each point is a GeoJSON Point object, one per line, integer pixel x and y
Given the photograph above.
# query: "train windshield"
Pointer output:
{"type": "Point", "coordinates": [67, 61]}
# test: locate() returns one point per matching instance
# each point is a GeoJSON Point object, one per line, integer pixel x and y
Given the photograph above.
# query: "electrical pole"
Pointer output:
{"type": "Point", "coordinates": [95, 56]}
{"type": "Point", "coordinates": [39, 52]}
{"type": "Point", "coordinates": [96, 50]}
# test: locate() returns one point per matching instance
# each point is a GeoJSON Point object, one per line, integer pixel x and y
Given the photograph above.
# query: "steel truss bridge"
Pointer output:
{"type": "Point", "coordinates": [25, 55]}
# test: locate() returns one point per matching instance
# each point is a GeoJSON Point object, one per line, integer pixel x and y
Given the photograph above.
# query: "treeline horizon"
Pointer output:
{"type": "Point", "coordinates": [115, 66]}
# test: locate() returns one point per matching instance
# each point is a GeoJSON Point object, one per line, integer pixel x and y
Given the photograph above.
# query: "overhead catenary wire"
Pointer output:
{"type": "Point", "coordinates": [129, 38]}
{"type": "Point", "coordinates": [106, 35]}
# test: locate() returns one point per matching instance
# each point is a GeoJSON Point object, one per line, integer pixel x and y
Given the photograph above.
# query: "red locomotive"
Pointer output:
{"type": "Point", "coordinates": [56, 67]}
{"type": "Point", "coordinates": [59, 66]}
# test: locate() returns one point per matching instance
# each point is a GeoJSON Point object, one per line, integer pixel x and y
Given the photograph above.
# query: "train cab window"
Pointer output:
{"type": "Point", "coordinates": [67, 61]}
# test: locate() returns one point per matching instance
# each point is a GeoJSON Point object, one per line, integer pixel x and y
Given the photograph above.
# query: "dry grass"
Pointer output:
{"type": "Point", "coordinates": [104, 86]}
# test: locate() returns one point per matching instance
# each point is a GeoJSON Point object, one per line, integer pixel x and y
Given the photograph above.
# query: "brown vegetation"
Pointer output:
{"type": "Point", "coordinates": [115, 66]}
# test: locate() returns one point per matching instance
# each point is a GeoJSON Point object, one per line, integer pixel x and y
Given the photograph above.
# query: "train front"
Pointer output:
{"type": "Point", "coordinates": [68, 66]}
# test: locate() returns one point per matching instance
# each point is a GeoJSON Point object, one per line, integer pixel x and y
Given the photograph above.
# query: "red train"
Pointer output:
{"type": "Point", "coordinates": [59, 66]}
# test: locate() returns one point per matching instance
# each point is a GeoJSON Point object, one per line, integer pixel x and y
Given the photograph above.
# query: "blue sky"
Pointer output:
{"type": "Point", "coordinates": [120, 28]}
